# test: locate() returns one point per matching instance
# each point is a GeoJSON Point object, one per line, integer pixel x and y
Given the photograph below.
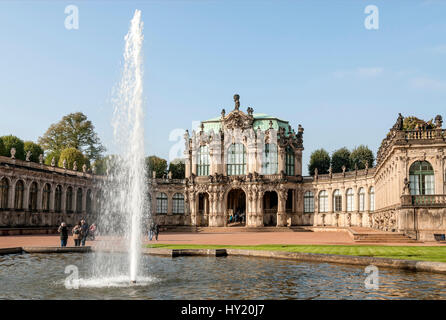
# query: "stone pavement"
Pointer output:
{"type": "Point", "coordinates": [214, 238]}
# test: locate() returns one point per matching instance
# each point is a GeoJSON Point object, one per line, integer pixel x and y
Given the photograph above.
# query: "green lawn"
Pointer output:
{"type": "Point", "coordinates": [437, 254]}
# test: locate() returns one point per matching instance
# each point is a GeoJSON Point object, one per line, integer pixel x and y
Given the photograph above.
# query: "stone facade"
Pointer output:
{"type": "Point", "coordinates": [251, 165]}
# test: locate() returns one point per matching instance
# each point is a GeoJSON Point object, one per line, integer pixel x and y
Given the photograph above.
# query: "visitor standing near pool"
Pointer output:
{"type": "Point", "coordinates": [84, 231]}
{"type": "Point", "coordinates": [77, 234]}
{"type": "Point", "coordinates": [157, 231]}
{"type": "Point", "coordinates": [63, 230]}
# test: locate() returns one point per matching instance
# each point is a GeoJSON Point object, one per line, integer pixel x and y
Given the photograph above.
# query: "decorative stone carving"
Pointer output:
{"type": "Point", "coordinates": [237, 102]}
{"type": "Point", "coordinates": [41, 159]}
{"type": "Point", "coordinates": [75, 166]}
{"type": "Point", "coordinates": [13, 152]}
{"type": "Point", "coordinates": [28, 156]}
{"type": "Point", "coordinates": [64, 163]}
{"type": "Point", "coordinates": [84, 168]}
{"type": "Point", "coordinates": [438, 121]}
{"type": "Point", "coordinates": [53, 162]}
{"type": "Point", "coordinates": [406, 189]}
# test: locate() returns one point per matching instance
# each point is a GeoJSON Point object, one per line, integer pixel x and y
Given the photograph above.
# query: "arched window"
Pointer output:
{"type": "Point", "coordinates": [372, 198]}
{"type": "Point", "coordinates": [4, 193]}
{"type": "Point", "coordinates": [161, 203]}
{"type": "Point", "coordinates": [79, 200]}
{"type": "Point", "coordinates": [309, 202]}
{"type": "Point", "coordinates": [46, 197]}
{"type": "Point", "coordinates": [269, 161]}
{"type": "Point", "coordinates": [236, 159]}
{"type": "Point", "coordinates": [337, 201]}
{"type": "Point", "coordinates": [69, 200]}
{"type": "Point", "coordinates": [88, 201]}
{"type": "Point", "coordinates": [289, 161]}
{"type": "Point", "coordinates": [18, 197]}
{"type": "Point", "coordinates": [178, 203]}
{"type": "Point", "coordinates": [33, 197]}
{"type": "Point", "coordinates": [361, 199]}
{"type": "Point", "coordinates": [350, 195]}
{"type": "Point", "coordinates": [323, 201]}
{"type": "Point", "coordinates": [421, 177]}
{"type": "Point", "coordinates": [203, 161]}
{"type": "Point", "coordinates": [58, 199]}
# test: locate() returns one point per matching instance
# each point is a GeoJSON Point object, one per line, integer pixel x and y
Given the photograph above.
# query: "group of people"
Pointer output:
{"type": "Point", "coordinates": [237, 217]}
{"type": "Point", "coordinates": [80, 233]}
{"type": "Point", "coordinates": [154, 230]}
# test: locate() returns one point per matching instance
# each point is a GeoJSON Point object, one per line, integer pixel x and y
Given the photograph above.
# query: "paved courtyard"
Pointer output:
{"type": "Point", "coordinates": [214, 238]}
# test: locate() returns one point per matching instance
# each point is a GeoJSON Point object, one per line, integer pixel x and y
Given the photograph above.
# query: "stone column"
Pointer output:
{"type": "Point", "coordinates": [84, 201]}
{"type": "Point", "coordinates": [27, 186]}
{"type": "Point", "coordinates": [11, 195]}
{"type": "Point", "coordinates": [193, 208]}
{"type": "Point", "coordinates": [64, 199]}
{"type": "Point", "coordinates": [281, 212]}
{"type": "Point", "coordinates": [298, 162]}
{"type": "Point", "coordinates": [281, 159]}
{"type": "Point", "coordinates": [40, 196]}
{"type": "Point", "coordinates": [52, 198]}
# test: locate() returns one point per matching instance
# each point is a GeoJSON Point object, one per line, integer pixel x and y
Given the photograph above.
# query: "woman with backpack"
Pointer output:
{"type": "Point", "coordinates": [77, 236]}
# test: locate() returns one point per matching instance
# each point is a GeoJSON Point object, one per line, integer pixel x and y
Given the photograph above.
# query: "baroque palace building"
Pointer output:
{"type": "Point", "coordinates": [250, 164]}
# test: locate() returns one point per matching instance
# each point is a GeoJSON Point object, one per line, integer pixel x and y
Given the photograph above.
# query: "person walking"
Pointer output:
{"type": "Point", "coordinates": [92, 231]}
{"type": "Point", "coordinates": [84, 231]}
{"type": "Point", "coordinates": [157, 231]}
{"type": "Point", "coordinates": [77, 234]}
{"type": "Point", "coordinates": [151, 230]}
{"type": "Point", "coordinates": [63, 230]}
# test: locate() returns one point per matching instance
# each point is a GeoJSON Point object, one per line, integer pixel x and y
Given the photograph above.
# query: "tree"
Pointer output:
{"type": "Point", "coordinates": [10, 142]}
{"type": "Point", "coordinates": [73, 131]}
{"type": "Point", "coordinates": [71, 155]}
{"type": "Point", "coordinates": [360, 155]}
{"type": "Point", "coordinates": [178, 168]}
{"type": "Point", "coordinates": [49, 157]}
{"type": "Point", "coordinates": [319, 159]}
{"type": "Point", "coordinates": [339, 158]}
{"type": "Point", "coordinates": [2, 149]}
{"type": "Point", "coordinates": [156, 164]}
{"type": "Point", "coordinates": [35, 149]}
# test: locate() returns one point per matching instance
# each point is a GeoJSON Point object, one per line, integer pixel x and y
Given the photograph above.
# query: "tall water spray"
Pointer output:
{"type": "Point", "coordinates": [125, 188]}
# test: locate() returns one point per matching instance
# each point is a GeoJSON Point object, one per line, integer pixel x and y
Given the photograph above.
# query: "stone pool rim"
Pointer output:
{"type": "Point", "coordinates": [410, 265]}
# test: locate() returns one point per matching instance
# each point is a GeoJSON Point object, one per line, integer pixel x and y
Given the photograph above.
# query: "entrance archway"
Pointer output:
{"type": "Point", "coordinates": [203, 209]}
{"type": "Point", "coordinates": [270, 203]}
{"type": "Point", "coordinates": [236, 207]}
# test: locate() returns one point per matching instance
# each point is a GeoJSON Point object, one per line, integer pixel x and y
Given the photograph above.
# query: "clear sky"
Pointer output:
{"type": "Point", "coordinates": [309, 62]}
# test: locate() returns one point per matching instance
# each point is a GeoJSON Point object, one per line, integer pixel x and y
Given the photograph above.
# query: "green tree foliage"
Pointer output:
{"type": "Point", "coordinates": [2, 148]}
{"type": "Point", "coordinates": [73, 131]}
{"type": "Point", "coordinates": [339, 158]}
{"type": "Point", "coordinates": [360, 155]}
{"type": "Point", "coordinates": [14, 142]}
{"type": "Point", "coordinates": [71, 155]}
{"type": "Point", "coordinates": [35, 149]}
{"type": "Point", "coordinates": [178, 168]}
{"type": "Point", "coordinates": [319, 159]}
{"type": "Point", "coordinates": [412, 123]}
{"type": "Point", "coordinates": [156, 164]}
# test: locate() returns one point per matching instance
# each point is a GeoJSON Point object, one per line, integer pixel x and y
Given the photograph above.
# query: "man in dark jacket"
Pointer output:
{"type": "Point", "coordinates": [63, 230]}
{"type": "Point", "coordinates": [157, 231]}
{"type": "Point", "coordinates": [84, 231]}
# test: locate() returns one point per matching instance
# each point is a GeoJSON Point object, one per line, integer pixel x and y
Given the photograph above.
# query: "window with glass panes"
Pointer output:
{"type": "Point", "coordinates": [236, 159]}
{"type": "Point", "coordinates": [161, 203]}
{"type": "Point", "coordinates": [372, 199]}
{"type": "Point", "coordinates": [269, 163]}
{"type": "Point", "coordinates": [350, 195]}
{"type": "Point", "coordinates": [178, 203]}
{"type": "Point", "coordinates": [308, 202]}
{"type": "Point", "coordinates": [361, 199]}
{"type": "Point", "coordinates": [421, 177]}
{"type": "Point", "coordinates": [337, 201]}
{"type": "Point", "coordinates": [289, 161]}
{"type": "Point", "coordinates": [323, 201]}
{"type": "Point", "coordinates": [203, 161]}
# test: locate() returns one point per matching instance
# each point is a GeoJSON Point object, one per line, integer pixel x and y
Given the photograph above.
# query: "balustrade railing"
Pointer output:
{"type": "Point", "coordinates": [424, 200]}
{"type": "Point", "coordinates": [424, 134]}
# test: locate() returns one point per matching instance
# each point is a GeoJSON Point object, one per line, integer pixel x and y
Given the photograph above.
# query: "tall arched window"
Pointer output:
{"type": "Point", "coordinates": [18, 197]}
{"type": "Point", "coordinates": [88, 201]}
{"type": "Point", "coordinates": [161, 203]}
{"type": "Point", "coordinates": [58, 199]}
{"type": "Point", "coordinates": [4, 193]}
{"type": "Point", "coordinates": [308, 202]}
{"type": "Point", "coordinates": [372, 198]}
{"type": "Point", "coordinates": [236, 159]}
{"type": "Point", "coordinates": [178, 203]}
{"type": "Point", "coordinates": [289, 161]}
{"type": "Point", "coordinates": [46, 197]}
{"type": "Point", "coordinates": [269, 161]}
{"type": "Point", "coordinates": [421, 177]}
{"type": "Point", "coordinates": [69, 200]}
{"type": "Point", "coordinates": [323, 201]}
{"type": "Point", "coordinates": [350, 194]}
{"type": "Point", "coordinates": [337, 201]}
{"type": "Point", "coordinates": [361, 199]}
{"type": "Point", "coordinates": [203, 161]}
{"type": "Point", "coordinates": [33, 197]}
{"type": "Point", "coordinates": [79, 200]}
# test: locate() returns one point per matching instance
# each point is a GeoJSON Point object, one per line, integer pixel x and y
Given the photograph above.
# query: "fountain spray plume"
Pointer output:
{"type": "Point", "coordinates": [129, 171]}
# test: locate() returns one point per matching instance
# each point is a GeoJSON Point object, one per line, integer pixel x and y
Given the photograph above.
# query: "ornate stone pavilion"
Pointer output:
{"type": "Point", "coordinates": [250, 164]}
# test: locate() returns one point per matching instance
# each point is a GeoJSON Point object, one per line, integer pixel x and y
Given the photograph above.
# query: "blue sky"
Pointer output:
{"type": "Point", "coordinates": [309, 62]}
